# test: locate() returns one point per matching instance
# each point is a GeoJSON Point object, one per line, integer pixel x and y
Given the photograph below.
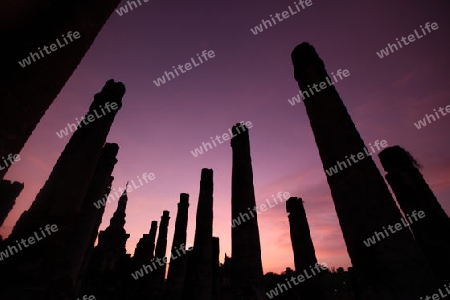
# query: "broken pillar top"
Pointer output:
{"type": "Point", "coordinates": [184, 198]}
{"type": "Point", "coordinates": [239, 128]}
{"type": "Point", "coordinates": [240, 135]}
{"type": "Point", "coordinates": [111, 92]}
{"type": "Point", "coordinates": [294, 205]}
{"type": "Point", "coordinates": [305, 58]}
{"type": "Point", "coordinates": [165, 214]}
{"type": "Point", "coordinates": [154, 224]}
{"type": "Point", "coordinates": [206, 175]}
{"type": "Point", "coordinates": [395, 157]}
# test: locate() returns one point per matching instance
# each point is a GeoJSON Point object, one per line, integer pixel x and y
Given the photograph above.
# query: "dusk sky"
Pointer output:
{"type": "Point", "coordinates": [250, 78]}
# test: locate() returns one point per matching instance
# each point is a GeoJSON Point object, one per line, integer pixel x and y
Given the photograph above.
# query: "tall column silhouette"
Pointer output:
{"type": "Point", "coordinates": [110, 258]}
{"type": "Point", "coordinates": [413, 195]}
{"type": "Point", "coordinates": [143, 255]}
{"type": "Point", "coordinates": [145, 248]}
{"type": "Point", "coordinates": [27, 92]}
{"type": "Point", "coordinates": [86, 228]}
{"type": "Point", "coordinates": [198, 283]}
{"type": "Point", "coordinates": [177, 265]}
{"type": "Point", "coordinates": [159, 273]}
{"type": "Point", "coordinates": [60, 199]}
{"type": "Point", "coordinates": [247, 273]}
{"type": "Point", "coordinates": [91, 240]}
{"type": "Point", "coordinates": [215, 269]}
{"type": "Point", "coordinates": [304, 253]}
{"type": "Point", "coordinates": [394, 267]}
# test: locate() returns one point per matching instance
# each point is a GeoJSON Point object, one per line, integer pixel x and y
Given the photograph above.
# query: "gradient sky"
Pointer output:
{"type": "Point", "coordinates": [250, 79]}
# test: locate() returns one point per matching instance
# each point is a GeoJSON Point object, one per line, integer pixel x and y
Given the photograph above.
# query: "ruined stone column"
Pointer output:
{"type": "Point", "coordinates": [27, 91]}
{"type": "Point", "coordinates": [60, 199]}
{"type": "Point", "coordinates": [145, 248]}
{"type": "Point", "coordinates": [107, 268]}
{"type": "Point", "coordinates": [159, 273]}
{"type": "Point", "coordinates": [215, 269]}
{"type": "Point", "coordinates": [177, 265]}
{"type": "Point", "coordinates": [394, 267]}
{"type": "Point", "coordinates": [430, 228]}
{"type": "Point", "coordinates": [91, 241]}
{"type": "Point", "coordinates": [143, 255]}
{"type": "Point", "coordinates": [247, 273]}
{"type": "Point", "coordinates": [89, 219]}
{"type": "Point", "coordinates": [304, 253]}
{"type": "Point", "coordinates": [198, 284]}
{"type": "Point", "coordinates": [9, 191]}
{"type": "Point", "coordinates": [73, 172]}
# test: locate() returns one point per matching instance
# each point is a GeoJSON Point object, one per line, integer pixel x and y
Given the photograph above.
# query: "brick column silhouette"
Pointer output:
{"type": "Point", "coordinates": [393, 268]}
{"type": "Point", "coordinates": [247, 273]}
{"type": "Point", "coordinates": [302, 245]}
{"type": "Point", "coordinates": [85, 230]}
{"type": "Point", "coordinates": [159, 273]}
{"type": "Point", "coordinates": [27, 92]}
{"type": "Point", "coordinates": [145, 248]}
{"type": "Point", "coordinates": [413, 195]}
{"type": "Point", "coordinates": [198, 284]}
{"type": "Point", "coordinates": [91, 240]}
{"type": "Point", "coordinates": [143, 255]}
{"type": "Point", "coordinates": [60, 199]}
{"type": "Point", "coordinates": [215, 269]}
{"type": "Point", "coordinates": [177, 265]}
{"type": "Point", "coordinates": [107, 267]}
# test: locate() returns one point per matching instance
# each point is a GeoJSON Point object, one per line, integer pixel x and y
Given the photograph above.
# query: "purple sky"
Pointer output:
{"type": "Point", "coordinates": [250, 79]}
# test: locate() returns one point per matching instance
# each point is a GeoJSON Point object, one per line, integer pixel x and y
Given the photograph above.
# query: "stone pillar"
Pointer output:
{"type": "Point", "coordinates": [430, 228]}
{"type": "Point", "coordinates": [143, 255]}
{"type": "Point", "coordinates": [145, 248]}
{"type": "Point", "coordinates": [9, 191]}
{"type": "Point", "coordinates": [198, 283]}
{"type": "Point", "coordinates": [27, 92]}
{"type": "Point", "coordinates": [159, 273]}
{"type": "Point", "coordinates": [108, 265]}
{"type": "Point", "coordinates": [85, 230]}
{"type": "Point", "coordinates": [215, 269]}
{"type": "Point", "coordinates": [247, 273]}
{"type": "Point", "coordinates": [91, 241]}
{"type": "Point", "coordinates": [177, 266]}
{"type": "Point", "coordinates": [60, 199]}
{"type": "Point", "coordinates": [394, 267]}
{"type": "Point", "coordinates": [304, 253]}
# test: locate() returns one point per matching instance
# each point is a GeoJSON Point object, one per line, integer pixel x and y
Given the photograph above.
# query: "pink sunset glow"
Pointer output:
{"type": "Point", "coordinates": [250, 79]}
